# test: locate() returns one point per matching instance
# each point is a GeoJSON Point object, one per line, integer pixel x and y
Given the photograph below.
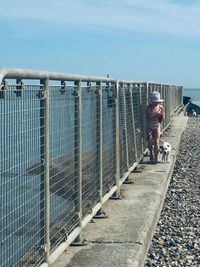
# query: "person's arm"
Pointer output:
{"type": "Point", "coordinates": [162, 114]}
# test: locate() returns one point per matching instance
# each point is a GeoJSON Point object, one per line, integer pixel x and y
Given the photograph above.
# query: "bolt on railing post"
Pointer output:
{"type": "Point", "coordinates": [78, 156]}
{"type": "Point", "coordinates": [45, 158]}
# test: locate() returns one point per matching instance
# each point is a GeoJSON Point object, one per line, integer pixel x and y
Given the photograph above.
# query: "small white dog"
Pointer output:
{"type": "Point", "coordinates": [165, 151]}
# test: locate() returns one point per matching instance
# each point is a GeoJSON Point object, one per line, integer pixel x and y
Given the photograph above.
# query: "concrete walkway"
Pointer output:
{"type": "Point", "coordinates": [124, 237]}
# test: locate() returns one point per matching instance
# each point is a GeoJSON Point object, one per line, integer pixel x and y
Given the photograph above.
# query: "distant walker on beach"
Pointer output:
{"type": "Point", "coordinates": [194, 113]}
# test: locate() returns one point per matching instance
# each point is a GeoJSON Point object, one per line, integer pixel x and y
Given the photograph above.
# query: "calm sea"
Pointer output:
{"type": "Point", "coordinates": [194, 93]}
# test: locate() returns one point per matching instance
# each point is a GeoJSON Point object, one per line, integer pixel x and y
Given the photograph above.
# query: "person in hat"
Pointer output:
{"type": "Point", "coordinates": [154, 116]}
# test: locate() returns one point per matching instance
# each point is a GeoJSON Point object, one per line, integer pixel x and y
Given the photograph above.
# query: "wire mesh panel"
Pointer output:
{"type": "Point", "coordinates": [90, 139]}
{"type": "Point", "coordinates": [109, 137]}
{"type": "Point", "coordinates": [63, 170]}
{"type": "Point", "coordinates": [122, 133]}
{"type": "Point", "coordinates": [162, 96]}
{"type": "Point", "coordinates": [58, 149]}
{"type": "Point", "coordinates": [177, 96]}
{"type": "Point", "coordinates": [130, 126]}
{"type": "Point", "coordinates": [22, 188]}
{"type": "Point", "coordinates": [137, 118]}
{"type": "Point", "coordinates": [180, 95]}
{"type": "Point", "coordinates": [172, 98]}
{"type": "Point", "coordinates": [151, 88]}
{"type": "Point", "coordinates": [165, 90]}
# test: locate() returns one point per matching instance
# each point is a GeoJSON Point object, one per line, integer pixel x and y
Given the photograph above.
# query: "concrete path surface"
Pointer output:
{"type": "Point", "coordinates": [124, 237]}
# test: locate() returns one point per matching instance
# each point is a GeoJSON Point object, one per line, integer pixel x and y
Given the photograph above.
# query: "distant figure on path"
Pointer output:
{"type": "Point", "coordinates": [154, 116]}
{"type": "Point", "coordinates": [194, 113]}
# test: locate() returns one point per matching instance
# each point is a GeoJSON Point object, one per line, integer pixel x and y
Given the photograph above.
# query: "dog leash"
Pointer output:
{"type": "Point", "coordinates": [162, 140]}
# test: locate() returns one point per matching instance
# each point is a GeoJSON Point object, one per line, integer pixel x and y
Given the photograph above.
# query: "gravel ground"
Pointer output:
{"type": "Point", "coordinates": [176, 241]}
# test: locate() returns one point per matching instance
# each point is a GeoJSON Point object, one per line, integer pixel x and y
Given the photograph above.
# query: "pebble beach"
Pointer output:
{"type": "Point", "coordinates": [176, 241]}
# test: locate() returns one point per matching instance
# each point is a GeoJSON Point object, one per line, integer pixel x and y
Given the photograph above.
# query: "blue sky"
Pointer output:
{"type": "Point", "coordinates": [129, 39]}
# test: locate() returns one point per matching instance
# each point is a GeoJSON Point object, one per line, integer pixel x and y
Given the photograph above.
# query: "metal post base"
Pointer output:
{"type": "Point", "coordinates": [79, 242]}
{"type": "Point", "coordinates": [116, 196]}
{"type": "Point", "coordinates": [100, 214]}
{"type": "Point", "coordinates": [128, 181]}
{"type": "Point", "coordinates": [92, 221]}
{"type": "Point", "coordinates": [137, 170]}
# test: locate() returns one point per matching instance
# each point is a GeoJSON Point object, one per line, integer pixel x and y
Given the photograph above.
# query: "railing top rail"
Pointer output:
{"type": "Point", "coordinates": [40, 75]}
{"type": "Point", "coordinates": [131, 82]}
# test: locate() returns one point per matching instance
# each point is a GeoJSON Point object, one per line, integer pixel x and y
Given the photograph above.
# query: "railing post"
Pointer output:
{"type": "Point", "coordinates": [78, 157]}
{"type": "Point", "coordinates": [128, 180]}
{"type": "Point", "coordinates": [45, 158]}
{"type": "Point", "coordinates": [141, 115]}
{"type": "Point", "coordinates": [117, 194]}
{"type": "Point", "coordinates": [100, 139]}
{"type": "Point", "coordinates": [133, 122]}
{"type": "Point", "coordinates": [100, 213]}
{"type": "Point", "coordinates": [126, 128]}
{"type": "Point", "coordinates": [146, 104]}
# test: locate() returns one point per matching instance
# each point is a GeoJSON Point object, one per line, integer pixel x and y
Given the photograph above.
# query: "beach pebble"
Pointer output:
{"type": "Point", "coordinates": [176, 241]}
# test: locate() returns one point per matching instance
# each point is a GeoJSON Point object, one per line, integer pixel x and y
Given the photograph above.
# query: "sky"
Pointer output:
{"type": "Point", "coordinates": [148, 40]}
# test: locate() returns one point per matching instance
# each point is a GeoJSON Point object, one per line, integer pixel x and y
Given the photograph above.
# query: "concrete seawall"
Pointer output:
{"type": "Point", "coordinates": [124, 237]}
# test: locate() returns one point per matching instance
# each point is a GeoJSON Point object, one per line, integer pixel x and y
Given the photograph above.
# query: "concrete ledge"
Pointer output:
{"type": "Point", "coordinates": [124, 237]}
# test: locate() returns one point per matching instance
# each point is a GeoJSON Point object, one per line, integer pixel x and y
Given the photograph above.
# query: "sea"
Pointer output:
{"type": "Point", "coordinates": [194, 93]}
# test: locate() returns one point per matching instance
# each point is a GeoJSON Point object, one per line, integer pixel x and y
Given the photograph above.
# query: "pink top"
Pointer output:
{"type": "Point", "coordinates": [154, 115]}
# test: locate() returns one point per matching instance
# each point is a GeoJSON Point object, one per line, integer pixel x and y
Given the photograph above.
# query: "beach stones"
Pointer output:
{"type": "Point", "coordinates": [176, 241]}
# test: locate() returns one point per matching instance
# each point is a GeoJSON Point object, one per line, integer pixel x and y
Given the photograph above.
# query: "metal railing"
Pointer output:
{"type": "Point", "coordinates": [67, 144]}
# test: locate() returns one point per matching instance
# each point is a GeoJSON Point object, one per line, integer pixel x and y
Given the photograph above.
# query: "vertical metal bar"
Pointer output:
{"type": "Point", "coordinates": [42, 169]}
{"type": "Point", "coordinates": [181, 99]}
{"type": "Point", "coordinates": [141, 115]}
{"type": "Point", "coordinates": [100, 140]}
{"type": "Point", "coordinates": [45, 157]}
{"type": "Point", "coordinates": [146, 104]}
{"type": "Point", "coordinates": [46, 167]}
{"type": "Point", "coordinates": [78, 155]}
{"type": "Point", "coordinates": [117, 141]}
{"type": "Point", "coordinates": [133, 122]}
{"type": "Point", "coordinates": [170, 102]}
{"type": "Point", "coordinates": [147, 93]}
{"type": "Point", "coordinates": [125, 123]}
{"type": "Point", "coordinates": [100, 213]}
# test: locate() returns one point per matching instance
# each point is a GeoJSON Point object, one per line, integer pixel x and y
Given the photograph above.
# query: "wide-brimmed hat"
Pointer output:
{"type": "Point", "coordinates": [155, 97]}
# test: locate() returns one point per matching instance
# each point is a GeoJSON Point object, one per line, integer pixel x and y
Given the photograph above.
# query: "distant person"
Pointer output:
{"type": "Point", "coordinates": [154, 116]}
{"type": "Point", "coordinates": [194, 113]}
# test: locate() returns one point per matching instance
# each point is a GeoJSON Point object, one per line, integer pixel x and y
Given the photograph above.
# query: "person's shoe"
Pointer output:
{"type": "Point", "coordinates": [155, 161]}
{"type": "Point", "coordinates": [151, 161]}
{"type": "Point", "coordinates": [151, 158]}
